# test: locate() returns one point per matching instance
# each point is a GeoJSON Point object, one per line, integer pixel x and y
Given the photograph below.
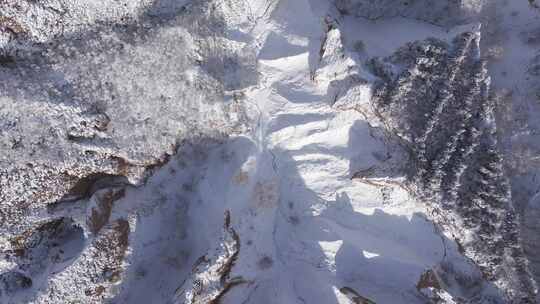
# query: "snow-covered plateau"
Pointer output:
{"type": "Point", "coordinates": [269, 151]}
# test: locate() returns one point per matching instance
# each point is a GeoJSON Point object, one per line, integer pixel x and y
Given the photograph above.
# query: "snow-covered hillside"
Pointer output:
{"type": "Point", "coordinates": [269, 151]}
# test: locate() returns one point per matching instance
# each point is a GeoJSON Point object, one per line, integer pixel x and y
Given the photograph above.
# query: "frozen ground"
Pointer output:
{"type": "Point", "coordinates": [265, 151]}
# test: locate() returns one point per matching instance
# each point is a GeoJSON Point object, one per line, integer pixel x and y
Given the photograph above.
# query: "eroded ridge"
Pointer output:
{"type": "Point", "coordinates": [435, 97]}
{"type": "Point", "coordinates": [210, 279]}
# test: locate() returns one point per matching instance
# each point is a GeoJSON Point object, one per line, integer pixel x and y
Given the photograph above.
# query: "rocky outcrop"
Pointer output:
{"type": "Point", "coordinates": [101, 207]}
{"type": "Point", "coordinates": [92, 276]}
{"type": "Point", "coordinates": [87, 104]}
{"type": "Point", "coordinates": [211, 276]}
{"type": "Point", "coordinates": [70, 109]}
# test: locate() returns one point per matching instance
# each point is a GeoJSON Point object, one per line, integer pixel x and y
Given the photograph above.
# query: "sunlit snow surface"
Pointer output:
{"type": "Point", "coordinates": [257, 170]}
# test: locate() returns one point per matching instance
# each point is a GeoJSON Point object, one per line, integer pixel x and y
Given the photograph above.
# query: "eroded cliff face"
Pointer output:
{"type": "Point", "coordinates": [258, 151]}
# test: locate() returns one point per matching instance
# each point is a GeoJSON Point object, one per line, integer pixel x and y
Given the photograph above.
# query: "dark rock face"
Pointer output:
{"type": "Point", "coordinates": [435, 97]}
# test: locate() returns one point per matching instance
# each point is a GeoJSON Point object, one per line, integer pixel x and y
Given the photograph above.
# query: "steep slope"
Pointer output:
{"type": "Point", "coordinates": [439, 104]}
{"type": "Point", "coordinates": [256, 151]}
{"type": "Point", "coordinates": [96, 109]}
